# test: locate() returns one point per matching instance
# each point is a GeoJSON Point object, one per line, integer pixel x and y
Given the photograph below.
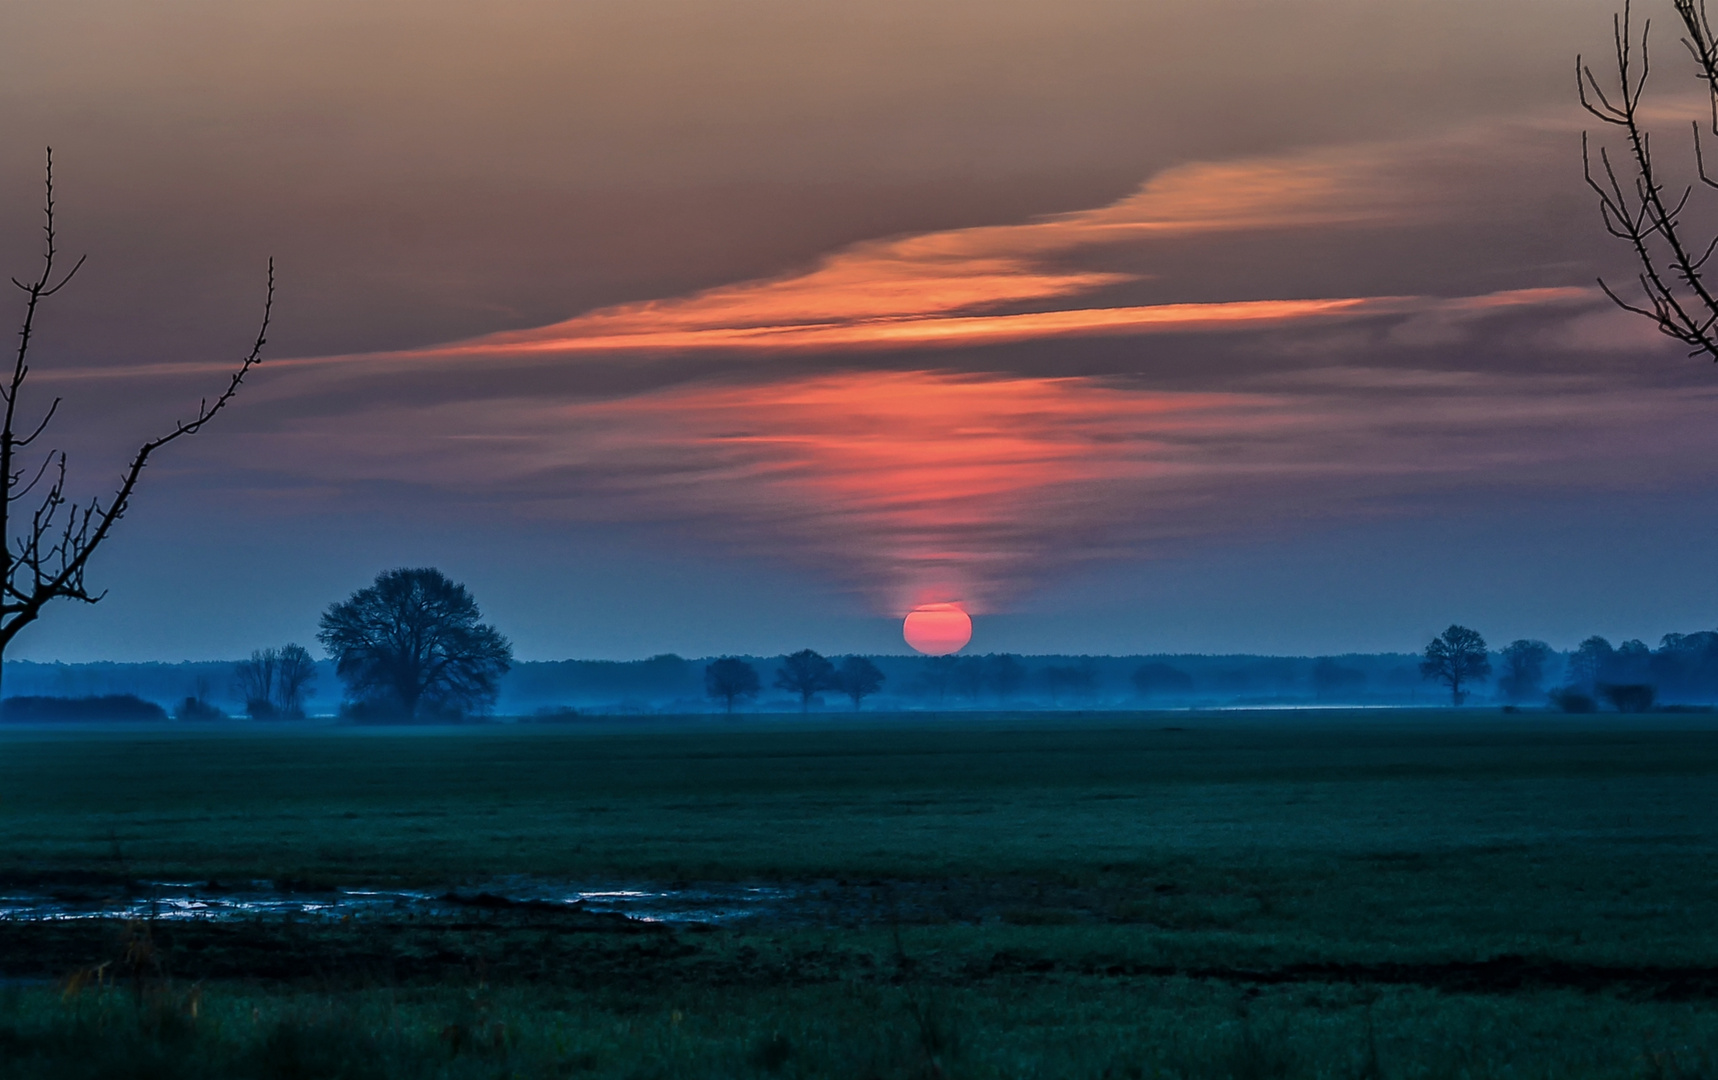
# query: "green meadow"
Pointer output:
{"type": "Point", "coordinates": [1461, 894]}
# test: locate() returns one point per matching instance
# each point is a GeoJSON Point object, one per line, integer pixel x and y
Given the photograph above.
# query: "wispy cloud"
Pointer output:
{"type": "Point", "coordinates": [921, 480]}
{"type": "Point", "coordinates": [994, 283]}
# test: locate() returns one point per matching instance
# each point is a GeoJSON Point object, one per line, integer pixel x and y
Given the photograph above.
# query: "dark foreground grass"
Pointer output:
{"type": "Point", "coordinates": [1058, 1028]}
{"type": "Point", "coordinates": [1305, 895]}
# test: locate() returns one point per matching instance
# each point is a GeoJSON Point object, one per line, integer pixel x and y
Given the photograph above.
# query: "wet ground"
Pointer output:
{"type": "Point", "coordinates": [217, 901]}
{"type": "Point", "coordinates": [828, 903]}
{"type": "Point", "coordinates": [530, 930]}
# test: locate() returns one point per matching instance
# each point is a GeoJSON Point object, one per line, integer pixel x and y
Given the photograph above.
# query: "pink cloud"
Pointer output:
{"type": "Point", "coordinates": [918, 486]}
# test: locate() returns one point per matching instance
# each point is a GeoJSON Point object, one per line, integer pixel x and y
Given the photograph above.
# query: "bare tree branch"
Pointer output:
{"type": "Point", "coordinates": [47, 558]}
{"type": "Point", "coordinates": [1675, 294]}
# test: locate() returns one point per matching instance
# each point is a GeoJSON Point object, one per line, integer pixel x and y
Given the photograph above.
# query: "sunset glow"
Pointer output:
{"type": "Point", "coordinates": [937, 629]}
{"type": "Point", "coordinates": [1029, 538]}
{"type": "Point", "coordinates": [938, 380]}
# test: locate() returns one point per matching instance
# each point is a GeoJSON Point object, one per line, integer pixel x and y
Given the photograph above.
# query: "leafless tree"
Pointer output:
{"type": "Point", "coordinates": [255, 680]}
{"type": "Point", "coordinates": [293, 678]}
{"type": "Point", "coordinates": [45, 549]}
{"type": "Point", "coordinates": [1638, 204]}
{"type": "Point", "coordinates": [274, 682]}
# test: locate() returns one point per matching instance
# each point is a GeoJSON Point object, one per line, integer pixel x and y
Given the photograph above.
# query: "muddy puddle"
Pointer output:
{"type": "Point", "coordinates": [264, 900]}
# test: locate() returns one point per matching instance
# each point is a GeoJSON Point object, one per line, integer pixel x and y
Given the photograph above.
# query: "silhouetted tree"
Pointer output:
{"type": "Point", "coordinates": [412, 644]}
{"type": "Point", "coordinates": [1686, 666]}
{"type": "Point", "coordinates": [1153, 678]}
{"type": "Point", "coordinates": [1589, 664]}
{"type": "Point", "coordinates": [256, 682]}
{"type": "Point", "coordinates": [45, 559]}
{"type": "Point", "coordinates": [295, 674]}
{"type": "Point", "coordinates": [858, 678]}
{"type": "Point", "coordinates": [1455, 657]}
{"type": "Point", "coordinates": [1523, 677]}
{"type": "Point", "coordinates": [273, 682]}
{"type": "Point", "coordinates": [1632, 663]}
{"type": "Point", "coordinates": [807, 674]}
{"type": "Point", "coordinates": [1644, 209]}
{"type": "Point", "coordinates": [729, 680]}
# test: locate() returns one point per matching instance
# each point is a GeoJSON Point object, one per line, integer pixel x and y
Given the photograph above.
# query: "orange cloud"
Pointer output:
{"type": "Point", "coordinates": [947, 287]}
{"type": "Point", "coordinates": [922, 486]}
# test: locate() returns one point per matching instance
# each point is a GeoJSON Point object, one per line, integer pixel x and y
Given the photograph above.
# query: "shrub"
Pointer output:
{"type": "Point", "coordinates": [1571, 700]}
{"type": "Point", "coordinates": [51, 710]}
{"type": "Point", "coordinates": [194, 708]}
{"type": "Point", "coordinates": [1630, 697]}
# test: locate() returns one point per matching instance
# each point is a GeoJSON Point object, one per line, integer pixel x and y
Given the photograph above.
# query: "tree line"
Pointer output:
{"type": "Point", "coordinates": [1631, 677]}
{"type": "Point", "coordinates": [806, 674]}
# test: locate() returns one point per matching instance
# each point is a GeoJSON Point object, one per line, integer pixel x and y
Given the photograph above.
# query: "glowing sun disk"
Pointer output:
{"type": "Point", "coordinates": [937, 629]}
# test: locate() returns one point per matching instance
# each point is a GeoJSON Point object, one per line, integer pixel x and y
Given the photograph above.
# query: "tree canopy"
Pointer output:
{"type": "Point", "coordinates": [411, 646]}
{"type": "Point", "coordinates": [1524, 663]}
{"type": "Point", "coordinates": [858, 678]}
{"type": "Point", "coordinates": [1455, 657]}
{"type": "Point", "coordinates": [807, 674]}
{"type": "Point", "coordinates": [729, 680]}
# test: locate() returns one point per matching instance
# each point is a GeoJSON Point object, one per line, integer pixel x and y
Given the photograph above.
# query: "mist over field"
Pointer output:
{"type": "Point", "coordinates": [1684, 671]}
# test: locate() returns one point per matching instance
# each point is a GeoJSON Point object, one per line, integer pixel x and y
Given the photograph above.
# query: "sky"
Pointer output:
{"type": "Point", "coordinates": [746, 327]}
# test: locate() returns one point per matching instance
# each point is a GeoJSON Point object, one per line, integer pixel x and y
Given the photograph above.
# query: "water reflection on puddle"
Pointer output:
{"type": "Point", "coordinates": [180, 900]}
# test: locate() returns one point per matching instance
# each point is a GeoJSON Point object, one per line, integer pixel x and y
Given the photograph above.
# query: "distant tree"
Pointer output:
{"type": "Point", "coordinates": [1456, 657]}
{"type": "Point", "coordinates": [1153, 678]}
{"type": "Point", "coordinates": [1330, 679]}
{"type": "Point", "coordinates": [858, 678]}
{"type": "Point", "coordinates": [1632, 663]}
{"type": "Point", "coordinates": [273, 682]}
{"type": "Point", "coordinates": [1590, 663]}
{"type": "Point", "coordinates": [256, 682]}
{"type": "Point", "coordinates": [45, 551]}
{"type": "Point", "coordinates": [411, 645]}
{"type": "Point", "coordinates": [294, 675]}
{"type": "Point", "coordinates": [807, 674]}
{"type": "Point", "coordinates": [1686, 666]}
{"type": "Point", "coordinates": [729, 680]}
{"type": "Point", "coordinates": [1005, 674]}
{"type": "Point", "coordinates": [1523, 677]}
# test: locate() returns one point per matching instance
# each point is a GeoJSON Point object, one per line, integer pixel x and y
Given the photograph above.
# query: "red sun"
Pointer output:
{"type": "Point", "coordinates": [937, 629]}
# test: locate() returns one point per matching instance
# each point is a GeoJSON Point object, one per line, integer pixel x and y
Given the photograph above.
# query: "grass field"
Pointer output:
{"type": "Point", "coordinates": [1317, 894]}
